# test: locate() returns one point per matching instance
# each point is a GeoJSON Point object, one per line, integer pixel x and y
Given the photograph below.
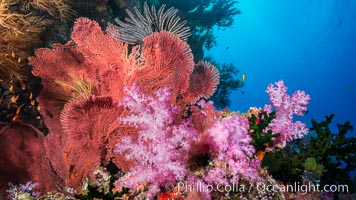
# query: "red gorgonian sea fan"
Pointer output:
{"type": "Point", "coordinates": [82, 81]}
{"type": "Point", "coordinates": [203, 81]}
{"type": "Point", "coordinates": [168, 62]}
{"type": "Point", "coordinates": [108, 65]}
{"type": "Point", "coordinates": [23, 158]}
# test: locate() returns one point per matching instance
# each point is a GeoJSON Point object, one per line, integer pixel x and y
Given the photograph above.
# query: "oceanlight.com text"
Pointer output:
{"type": "Point", "coordinates": [259, 186]}
{"type": "Point", "coordinates": [301, 188]}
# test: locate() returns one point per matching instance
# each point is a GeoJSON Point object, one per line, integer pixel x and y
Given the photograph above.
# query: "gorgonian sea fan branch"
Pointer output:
{"type": "Point", "coordinates": [168, 62]}
{"type": "Point", "coordinates": [203, 81]}
{"type": "Point", "coordinates": [84, 142]}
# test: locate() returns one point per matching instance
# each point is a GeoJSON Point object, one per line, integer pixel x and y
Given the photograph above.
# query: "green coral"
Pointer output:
{"type": "Point", "coordinates": [261, 139]}
{"type": "Point", "coordinates": [334, 151]}
{"type": "Point", "coordinates": [312, 165]}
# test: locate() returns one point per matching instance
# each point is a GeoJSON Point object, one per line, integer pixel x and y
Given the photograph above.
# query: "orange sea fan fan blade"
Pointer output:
{"type": "Point", "coordinates": [168, 62]}
{"type": "Point", "coordinates": [203, 81]}
{"type": "Point", "coordinates": [100, 49]}
{"type": "Point", "coordinates": [91, 130]}
{"type": "Point", "coordinates": [119, 130]}
{"type": "Point", "coordinates": [108, 59]}
{"type": "Point", "coordinates": [22, 157]}
{"type": "Point", "coordinates": [58, 63]}
{"type": "Point", "coordinates": [84, 122]}
{"type": "Point", "coordinates": [51, 101]}
{"type": "Point", "coordinates": [55, 155]}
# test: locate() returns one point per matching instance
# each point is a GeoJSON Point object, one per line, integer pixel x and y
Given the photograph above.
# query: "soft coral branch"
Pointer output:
{"type": "Point", "coordinates": [286, 106]}
{"type": "Point", "coordinates": [160, 145]}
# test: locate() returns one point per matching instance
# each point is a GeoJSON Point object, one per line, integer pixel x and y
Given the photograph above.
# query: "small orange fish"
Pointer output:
{"type": "Point", "coordinates": [19, 60]}
{"type": "Point", "coordinates": [19, 109]}
{"type": "Point", "coordinates": [13, 54]}
{"type": "Point", "coordinates": [30, 95]}
{"type": "Point", "coordinates": [32, 102]}
{"type": "Point", "coordinates": [15, 118]}
{"type": "Point", "coordinates": [14, 99]}
{"type": "Point", "coordinates": [38, 108]}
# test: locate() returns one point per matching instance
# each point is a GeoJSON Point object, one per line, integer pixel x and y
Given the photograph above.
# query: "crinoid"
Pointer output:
{"type": "Point", "coordinates": [138, 25]}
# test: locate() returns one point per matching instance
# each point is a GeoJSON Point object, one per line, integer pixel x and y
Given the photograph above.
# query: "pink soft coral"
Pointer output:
{"type": "Point", "coordinates": [159, 147]}
{"type": "Point", "coordinates": [286, 106]}
{"type": "Point", "coordinates": [232, 142]}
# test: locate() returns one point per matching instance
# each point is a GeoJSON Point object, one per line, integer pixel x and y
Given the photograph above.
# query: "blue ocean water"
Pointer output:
{"type": "Point", "coordinates": [310, 44]}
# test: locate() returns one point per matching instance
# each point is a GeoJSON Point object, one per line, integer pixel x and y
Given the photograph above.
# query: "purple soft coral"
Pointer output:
{"type": "Point", "coordinates": [164, 143]}
{"type": "Point", "coordinates": [285, 107]}
{"type": "Point", "coordinates": [28, 189]}
{"type": "Point", "coordinates": [159, 148]}
{"type": "Point", "coordinates": [231, 140]}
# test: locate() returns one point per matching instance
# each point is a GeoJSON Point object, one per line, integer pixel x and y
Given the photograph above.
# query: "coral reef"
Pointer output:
{"type": "Point", "coordinates": [221, 154]}
{"type": "Point", "coordinates": [212, 152]}
{"type": "Point", "coordinates": [124, 121]}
